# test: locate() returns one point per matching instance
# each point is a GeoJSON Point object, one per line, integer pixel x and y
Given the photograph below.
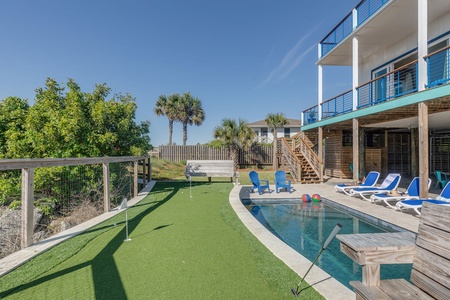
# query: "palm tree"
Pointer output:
{"type": "Point", "coordinates": [234, 135]}
{"type": "Point", "coordinates": [166, 106]}
{"type": "Point", "coordinates": [190, 112]}
{"type": "Point", "coordinates": [275, 121]}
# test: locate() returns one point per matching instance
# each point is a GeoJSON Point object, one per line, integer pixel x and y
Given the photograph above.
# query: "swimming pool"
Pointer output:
{"type": "Point", "coordinates": [305, 226]}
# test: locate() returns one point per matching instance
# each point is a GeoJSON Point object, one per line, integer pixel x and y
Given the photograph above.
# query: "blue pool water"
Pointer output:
{"type": "Point", "coordinates": [305, 227]}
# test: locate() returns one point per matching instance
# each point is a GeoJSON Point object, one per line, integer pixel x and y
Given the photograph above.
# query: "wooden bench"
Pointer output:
{"type": "Point", "coordinates": [211, 168]}
{"type": "Point", "coordinates": [429, 252]}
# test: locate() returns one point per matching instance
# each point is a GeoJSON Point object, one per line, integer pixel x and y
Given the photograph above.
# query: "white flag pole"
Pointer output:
{"type": "Point", "coordinates": [190, 186]}
{"type": "Point", "coordinates": [124, 205]}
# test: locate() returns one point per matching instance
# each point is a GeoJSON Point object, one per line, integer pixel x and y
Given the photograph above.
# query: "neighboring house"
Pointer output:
{"type": "Point", "coordinates": [398, 109]}
{"type": "Point", "coordinates": [264, 134]}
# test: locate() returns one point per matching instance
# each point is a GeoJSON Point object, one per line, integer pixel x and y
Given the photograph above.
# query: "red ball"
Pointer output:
{"type": "Point", "coordinates": [306, 198]}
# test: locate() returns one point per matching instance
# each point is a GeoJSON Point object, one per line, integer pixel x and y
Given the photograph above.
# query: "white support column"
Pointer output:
{"type": "Point", "coordinates": [320, 91]}
{"type": "Point", "coordinates": [422, 41]}
{"type": "Point", "coordinates": [27, 225]}
{"type": "Point", "coordinates": [355, 18]}
{"type": "Point", "coordinates": [355, 73]}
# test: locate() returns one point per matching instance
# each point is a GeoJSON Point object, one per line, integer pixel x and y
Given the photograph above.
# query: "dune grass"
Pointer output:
{"type": "Point", "coordinates": [180, 248]}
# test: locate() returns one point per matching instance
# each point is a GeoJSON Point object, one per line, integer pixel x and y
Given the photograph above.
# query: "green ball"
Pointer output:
{"type": "Point", "coordinates": [316, 198]}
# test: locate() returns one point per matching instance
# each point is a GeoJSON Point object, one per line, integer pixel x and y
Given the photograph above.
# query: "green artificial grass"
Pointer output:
{"type": "Point", "coordinates": [180, 248]}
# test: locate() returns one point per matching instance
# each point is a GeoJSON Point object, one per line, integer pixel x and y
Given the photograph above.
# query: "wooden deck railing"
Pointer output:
{"type": "Point", "coordinates": [299, 142]}
{"type": "Point", "coordinates": [291, 160]}
{"type": "Point", "coordinates": [28, 165]}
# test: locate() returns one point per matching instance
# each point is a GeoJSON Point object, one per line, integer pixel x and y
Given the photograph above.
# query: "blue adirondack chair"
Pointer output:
{"type": "Point", "coordinates": [281, 182]}
{"type": "Point", "coordinates": [258, 184]}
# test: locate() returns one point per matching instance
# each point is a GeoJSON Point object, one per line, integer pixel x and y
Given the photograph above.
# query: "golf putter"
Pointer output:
{"type": "Point", "coordinates": [335, 231]}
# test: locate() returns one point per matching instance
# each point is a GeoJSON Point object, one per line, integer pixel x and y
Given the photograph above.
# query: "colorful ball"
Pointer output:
{"type": "Point", "coordinates": [306, 198]}
{"type": "Point", "coordinates": [316, 198]}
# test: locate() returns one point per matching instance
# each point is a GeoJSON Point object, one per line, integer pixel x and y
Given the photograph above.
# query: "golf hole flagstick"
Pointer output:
{"type": "Point", "coordinates": [335, 231]}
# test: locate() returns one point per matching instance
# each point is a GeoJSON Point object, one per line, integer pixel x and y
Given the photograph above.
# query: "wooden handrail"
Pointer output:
{"type": "Point", "coordinates": [17, 164]}
{"type": "Point", "coordinates": [311, 107]}
{"type": "Point", "coordinates": [387, 74]}
{"type": "Point", "coordinates": [437, 51]}
{"type": "Point", "coordinates": [309, 148]}
{"type": "Point", "coordinates": [331, 99]}
{"type": "Point", "coordinates": [292, 160]}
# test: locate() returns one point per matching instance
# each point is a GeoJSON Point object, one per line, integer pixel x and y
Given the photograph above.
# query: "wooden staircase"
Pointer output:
{"type": "Point", "coordinates": [303, 163]}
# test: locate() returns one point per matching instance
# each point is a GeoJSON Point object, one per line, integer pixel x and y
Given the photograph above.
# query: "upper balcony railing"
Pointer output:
{"type": "Point", "coordinates": [438, 67]}
{"type": "Point", "coordinates": [367, 8]}
{"type": "Point", "coordinates": [340, 32]}
{"type": "Point", "coordinates": [363, 10]}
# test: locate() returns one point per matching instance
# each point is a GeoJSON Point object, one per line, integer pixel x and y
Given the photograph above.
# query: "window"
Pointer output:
{"type": "Point", "coordinates": [287, 132]}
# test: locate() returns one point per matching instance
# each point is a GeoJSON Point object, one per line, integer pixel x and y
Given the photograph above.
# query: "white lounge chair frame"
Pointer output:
{"type": "Point", "coordinates": [346, 188]}
{"type": "Point", "coordinates": [402, 205]}
{"type": "Point", "coordinates": [385, 187]}
{"type": "Point", "coordinates": [386, 198]}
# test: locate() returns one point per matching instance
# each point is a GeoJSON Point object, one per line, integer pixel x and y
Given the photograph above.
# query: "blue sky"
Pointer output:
{"type": "Point", "coordinates": [241, 58]}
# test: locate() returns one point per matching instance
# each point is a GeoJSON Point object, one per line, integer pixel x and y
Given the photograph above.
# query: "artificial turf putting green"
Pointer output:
{"type": "Point", "coordinates": [180, 248]}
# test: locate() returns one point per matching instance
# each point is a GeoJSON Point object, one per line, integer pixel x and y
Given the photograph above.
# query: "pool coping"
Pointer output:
{"type": "Point", "coordinates": [321, 281]}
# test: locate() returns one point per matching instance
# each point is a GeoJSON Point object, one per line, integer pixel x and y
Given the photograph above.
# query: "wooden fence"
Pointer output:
{"type": "Point", "coordinates": [257, 155]}
{"type": "Point", "coordinates": [29, 165]}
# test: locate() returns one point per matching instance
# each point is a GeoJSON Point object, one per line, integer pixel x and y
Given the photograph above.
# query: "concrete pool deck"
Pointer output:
{"type": "Point", "coordinates": [329, 287]}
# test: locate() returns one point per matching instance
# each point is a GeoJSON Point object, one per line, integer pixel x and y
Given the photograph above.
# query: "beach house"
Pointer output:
{"type": "Point", "coordinates": [264, 134]}
{"type": "Point", "coordinates": [396, 116]}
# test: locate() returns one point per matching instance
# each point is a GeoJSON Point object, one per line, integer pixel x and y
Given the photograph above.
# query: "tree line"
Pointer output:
{"type": "Point", "coordinates": [66, 122]}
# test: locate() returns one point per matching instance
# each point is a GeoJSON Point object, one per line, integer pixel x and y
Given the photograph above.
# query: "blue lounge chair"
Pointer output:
{"type": "Point", "coordinates": [254, 178]}
{"type": "Point", "coordinates": [412, 192]}
{"type": "Point", "coordinates": [370, 181]}
{"type": "Point", "coordinates": [281, 182]}
{"type": "Point", "coordinates": [441, 179]}
{"type": "Point", "coordinates": [442, 199]}
{"type": "Point", "coordinates": [389, 183]}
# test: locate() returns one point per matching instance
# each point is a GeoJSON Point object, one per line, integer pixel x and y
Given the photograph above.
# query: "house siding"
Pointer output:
{"type": "Point", "coordinates": [436, 28]}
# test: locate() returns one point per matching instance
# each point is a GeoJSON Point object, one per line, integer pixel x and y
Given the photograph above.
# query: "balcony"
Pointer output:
{"type": "Point", "coordinates": [394, 84]}
{"type": "Point", "coordinates": [438, 67]}
{"type": "Point", "coordinates": [338, 105]}
{"type": "Point", "coordinates": [388, 87]}
{"type": "Point", "coordinates": [363, 11]}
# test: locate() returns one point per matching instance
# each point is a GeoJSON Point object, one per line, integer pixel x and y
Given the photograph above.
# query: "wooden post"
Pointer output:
{"type": "Point", "coordinates": [136, 178]}
{"type": "Point", "coordinates": [27, 226]}
{"type": "Point", "coordinates": [355, 149]}
{"type": "Point", "coordinates": [423, 150]}
{"type": "Point", "coordinates": [371, 275]}
{"type": "Point", "coordinates": [362, 154]}
{"type": "Point", "coordinates": [320, 150]}
{"type": "Point", "coordinates": [106, 188]}
{"type": "Point", "coordinates": [149, 169]}
{"type": "Point", "coordinates": [414, 157]}
{"type": "Point", "coordinates": [144, 172]}
{"type": "Point", "coordinates": [274, 157]}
